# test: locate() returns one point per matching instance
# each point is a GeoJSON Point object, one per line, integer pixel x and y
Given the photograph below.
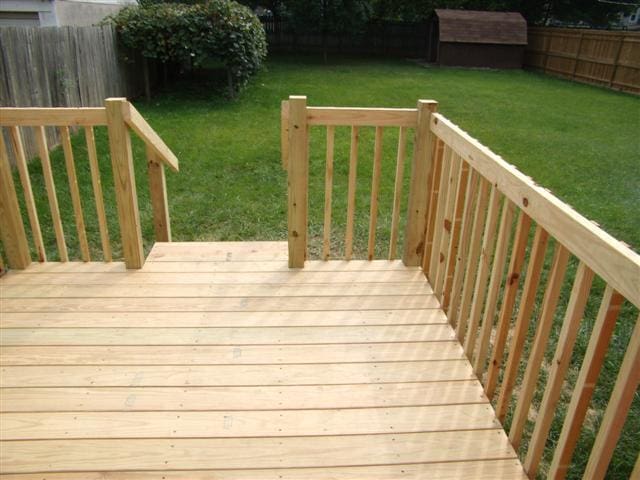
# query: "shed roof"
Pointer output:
{"type": "Point", "coordinates": [468, 26]}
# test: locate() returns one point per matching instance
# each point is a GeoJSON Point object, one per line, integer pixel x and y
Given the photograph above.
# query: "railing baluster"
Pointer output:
{"type": "Point", "coordinates": [434, 197]}
{"type": "Point", "coordinates": [479, 217]}
{"type": "Point", "coordinates": [12, 232]}
{"type": "Point", "coordinates": [545, 322]}
{"type": "Point", "coordinates": [158, 196]}
{"type": "Point", "coordinates": [559, 367]}
{"type": "Point", "coordinates": [328, 187]}
{"type": "Point", "coordinates": [589, 371]}
{"type": "Point", "coordinates": [480, 290]}
{"type": "Point", "coordinates": [527, 303]}
{"type": "Point", "coordinates": [351, 199]}
{"type": "Point", "coordinates": [30, 204]}
{"type": "Point", "coordinates": [463, 248]}
{"type": "Point", "coordinates": [65, 139]}
{"type": "Point", "coordinates": [495, 282]}
{"type": "Point", "coordinates": [375, 188]}
{"type": "Point", "coordinates": [97, 193]}
{"type": "Point", "coordinates": [397, 192]}
{"type": "Point", "coordinates": [445, 178]}
{"type": "Point", "coordinates": [50, 186]}
{"type": "Point", "coordinates": [454, 242]}
{"type": "Point", "coordinates": [508, 301]}
{"type": "Point", "coordinates": [447, 225]}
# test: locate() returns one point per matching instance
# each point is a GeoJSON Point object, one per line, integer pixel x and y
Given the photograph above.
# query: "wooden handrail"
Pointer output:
{"type": "Point", "coordinates": [36, 117]}
{"type": "Point", "coordinates": [611, 259]}
{"type": "Point", "coordinates": [372, 117]}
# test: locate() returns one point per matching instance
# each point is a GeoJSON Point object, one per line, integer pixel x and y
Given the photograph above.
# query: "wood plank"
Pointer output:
{"type": "Point", "coordinates": [221, 304]}
{"type": "Point", "coordinates": [65, 140]}
{"type": "Point", "coordinates": [495, 285]}
{"type": "Point", "coordinates": [351, 193]}
{"type": "Point", "coordinates": [543, 330]}
{"type": "Point", "coordinates": [69, 399]}
{"type": "Point", "coordinates": [14, 238]}
{"type": "Point", "coordinates": [222, 319]}
{"type": "Point", "coordinates": [210, 291]}
{"type": "Point", "coordinates": [616, 263]}
{"type": "Point", "coordinates": [559, 366]}
{"type": "Point", "coordinates": [225, 336]}
{"type": "Point", "coordinates": [284, 133]}
{"type": "Point", "coordinates": [234, 375]}
{"type": "Point", "coordinates": [29, 201]}
{"type": "Point", "coordinates": [418, 202]}
{"type": "Point", "coordinates": [218, 251]}
{"type": "Point", "coordinates": [34, 117]}
{"type": "Point", "coordinates": [478, 470]}
{"type": "Point", "coordinates": [618, 407]}
{"type": "Point", "coordinates": [234, 424]}
{"type": "Point", "coordinates": [375, 190]}
{"type": "Point", "coordinates": [436, 261]}
{"type": "Point", "coordinates": [229, 453]}
{"type": "Point", "coordinates": [371, 117]}
{"type": "Point", "coordinates": [397, 192]}
{"type": "Point", "coordinates": [586, 382]}
{"type": "Point", "coordinates": [50, 187]}
{"type": "Point", "coordinates": [514, 273]}
{"type": "Point", "coordinates": [433, 196]}
{"type": "Point", "coordinates": [223, 266]}
{"type": "Point", "coordinates": [290, 277]}
{"type": "Point", "coordinates": [328, 188]}
{"type": "Point", "coordinates": [218, 355]}
{"type": "Point", "coordinates": [97, 193]}
{"type": "Point", "coordinates": [480, 289]}
{"type": "Point", "coordinates": [298, 181]}
{"type": "Point", "coordinates": [124, 182]}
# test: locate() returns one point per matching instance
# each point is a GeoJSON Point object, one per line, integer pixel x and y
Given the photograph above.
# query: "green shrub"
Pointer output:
{"type": "Point", "coordinates": [173, 32]}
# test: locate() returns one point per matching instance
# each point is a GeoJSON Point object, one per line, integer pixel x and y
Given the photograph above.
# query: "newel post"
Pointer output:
{"type": "Point", "coordinates": [124, 180]}
{"type": "Point", "coordinates": [298, 177]}
{"type": "Point", "coordinates": [158, 193]}
{"type": "Point", "coordinates": [12, 231]}
{"type": "Point", "coordinates": [419, 192]}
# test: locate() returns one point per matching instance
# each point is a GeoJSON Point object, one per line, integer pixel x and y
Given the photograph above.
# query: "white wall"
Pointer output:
{"type": "Point", "coordinates": [53, 13]}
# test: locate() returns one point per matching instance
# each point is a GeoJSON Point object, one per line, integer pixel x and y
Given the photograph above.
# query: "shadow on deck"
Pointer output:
{"type": "Point", "coordinates": [215, 360]}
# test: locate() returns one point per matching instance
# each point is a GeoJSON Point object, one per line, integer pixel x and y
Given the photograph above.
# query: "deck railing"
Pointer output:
{"type": "Point", "coordinates": [469, 225]}
{"type": "Point", "coordinates": [118, 115]}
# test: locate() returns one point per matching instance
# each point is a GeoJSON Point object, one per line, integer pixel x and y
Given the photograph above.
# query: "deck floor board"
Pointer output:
{"type": "Point", "coordinates": [217, 361]}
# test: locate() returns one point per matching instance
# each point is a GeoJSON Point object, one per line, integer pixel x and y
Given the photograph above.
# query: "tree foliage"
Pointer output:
{"type": "Point", "coordinates": [177, 32]}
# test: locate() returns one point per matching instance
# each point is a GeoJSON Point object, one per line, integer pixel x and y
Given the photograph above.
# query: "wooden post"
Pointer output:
{"type": "Point", "coordinates": [124, 181]}
{"type": "Point", "coordinates": [298, 169]}
{"type": "Point", "coordinates": [158, 193]}
{"type": "Point", "coordinates": [12, 231]}
{"type": "Point", "coordinates": [418, 191]}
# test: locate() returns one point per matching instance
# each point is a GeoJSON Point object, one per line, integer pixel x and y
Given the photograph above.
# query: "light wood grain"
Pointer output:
{"type": "Point", "coordinates": [97, 193]}
{"type": "Point", "coordinates": [436, 262]}
{"type": "Point", "coordinates": [254, 252]}
{"type": "Point", "coordinates": [158, 196]}
{"type": "Point", "coordinates": [35, 117]}
{"type": "Point", "coordinates": [284, 133]}
{"type": "Point", "coordinates": [375, 190]}
{"type": "Point", "coordinates": [433, 195]}
{"type": "Point", "coordinates": [351, 193]}
{"type": "Point", "coordinates": [298, 179]}
{"type": "Point", "coordinates": [328, 189]}
{"type": "Point", "coordinates": [397, 192]}
{"type": "Point", "coordinates": [372, 117]}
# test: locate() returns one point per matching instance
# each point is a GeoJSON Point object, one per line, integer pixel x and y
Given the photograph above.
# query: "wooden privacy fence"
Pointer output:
{"type": "Point", "coordinates": [118, 115]}
{"type": "Point", "coordinates": [473, 223]}
{"type": "Point", "coordinates": [61, 67]}
{"type": "Point", "coordinates": [609, 58]}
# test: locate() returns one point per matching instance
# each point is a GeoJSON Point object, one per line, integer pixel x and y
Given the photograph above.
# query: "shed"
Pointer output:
{"type": "Point", "coordinates": [478, 39]}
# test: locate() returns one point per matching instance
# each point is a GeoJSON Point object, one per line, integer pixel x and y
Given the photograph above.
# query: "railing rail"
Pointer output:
{"type": "Point", "coordinates": [474, 222]}
{"type": "Point", "coordinates": [118, 116]}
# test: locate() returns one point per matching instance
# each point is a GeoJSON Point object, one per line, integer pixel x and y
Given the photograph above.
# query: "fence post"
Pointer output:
{"type": "Point", "coordinates": [158, 194]}
{"type": "Point", "coordinates": [298, 173]}
{"type": "Point", "coordinates": [418, 191]}
{"type": "Point", "coordinates": [124, 180]}
{"type": "Point", "coordinates": [12, 231]}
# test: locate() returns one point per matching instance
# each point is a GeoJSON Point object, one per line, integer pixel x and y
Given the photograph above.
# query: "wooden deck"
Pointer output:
{"type": "Point", "coordinates": [215, 360]}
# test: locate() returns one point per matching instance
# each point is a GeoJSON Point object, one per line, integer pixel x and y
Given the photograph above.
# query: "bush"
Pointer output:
{"type": "Point", "coordinates": [172, 32]}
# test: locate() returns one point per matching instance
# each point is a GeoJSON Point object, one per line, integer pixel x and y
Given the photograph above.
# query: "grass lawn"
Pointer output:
{"type": "Point", "coordinates": [579, 141]}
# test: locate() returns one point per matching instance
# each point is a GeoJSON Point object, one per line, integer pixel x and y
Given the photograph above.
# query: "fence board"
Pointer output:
{"type": "Point", "coordinates": [61, 67]}
{"type": "Point", "coordinates": [607, 58]}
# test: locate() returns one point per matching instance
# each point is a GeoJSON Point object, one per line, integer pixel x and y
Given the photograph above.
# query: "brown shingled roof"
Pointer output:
{"type": "Point", "coordinates": [468, 26]}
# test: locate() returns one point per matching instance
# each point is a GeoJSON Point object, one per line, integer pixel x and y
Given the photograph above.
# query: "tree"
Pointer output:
{"type": "Point", "coordinates": [328, 17]}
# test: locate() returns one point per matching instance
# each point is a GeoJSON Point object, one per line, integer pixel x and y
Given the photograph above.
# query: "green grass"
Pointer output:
{"type": "Point", "coordinates": [579, 141]}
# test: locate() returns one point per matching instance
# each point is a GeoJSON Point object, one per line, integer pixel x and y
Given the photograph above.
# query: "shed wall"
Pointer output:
{"type": "Point", "coordinates": [480, 55]}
